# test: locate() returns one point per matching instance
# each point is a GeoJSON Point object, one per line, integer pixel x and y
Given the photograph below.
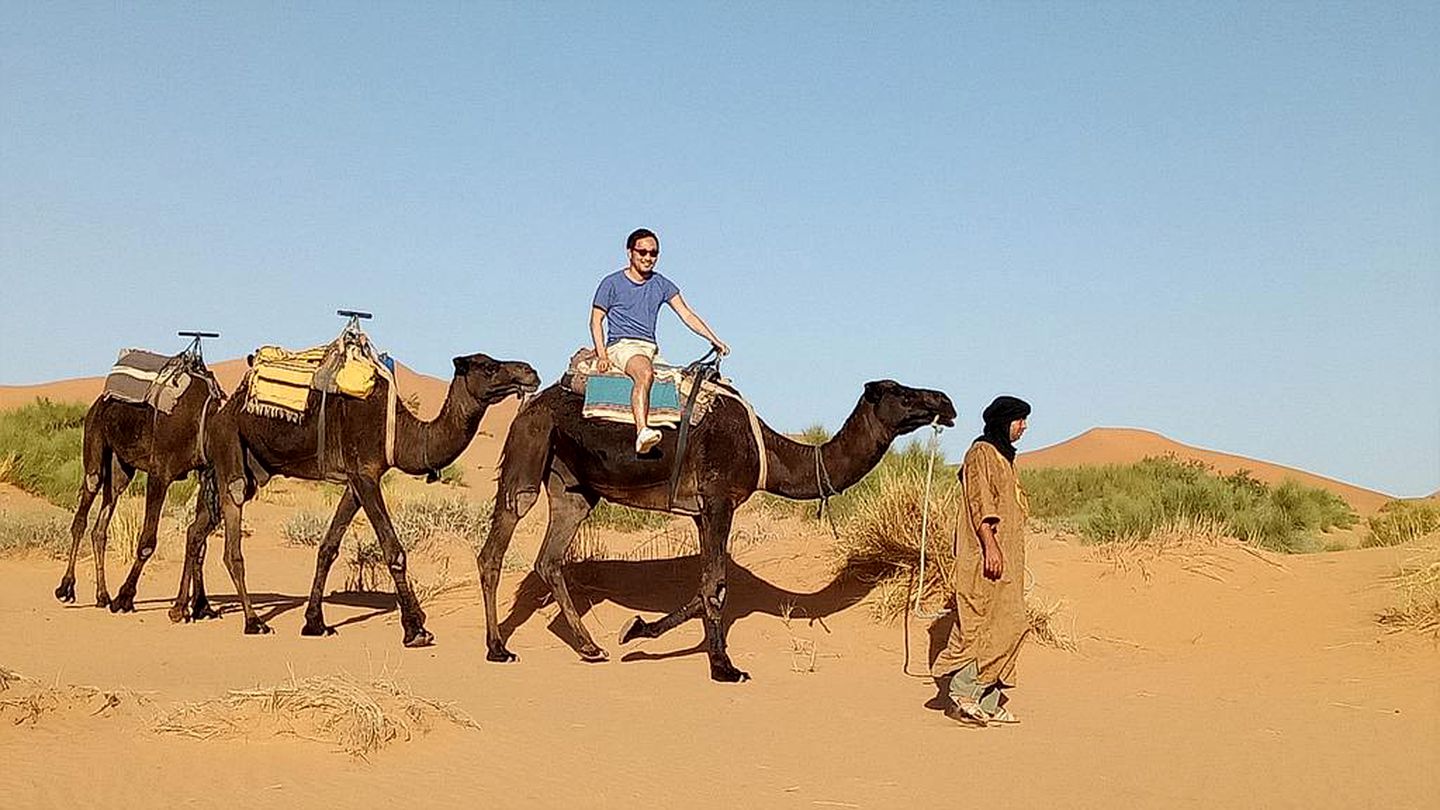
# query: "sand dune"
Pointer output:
{"type": "Point", "coordinates": [1099, 446]}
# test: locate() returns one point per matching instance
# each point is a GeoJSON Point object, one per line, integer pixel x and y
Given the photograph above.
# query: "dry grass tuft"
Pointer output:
{"type": "Point", "coordinates": [27, 700]}
{"type": "Point", "coordinates": [1417, 589]}
{"type": "Point", "coordinates": [355, 717]}
{"type": "Point", "coordinates": [880, 541]}
{"type": "Point", "coordinates": [1044, 624]}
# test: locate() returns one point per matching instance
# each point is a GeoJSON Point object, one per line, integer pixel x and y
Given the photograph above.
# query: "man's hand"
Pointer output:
{"type": "Point", "coordinates": [721, 347]}
{"type": "Point", "coordinates": [602, 360]}
{"type": "Point", "coordinates": [994, 560]}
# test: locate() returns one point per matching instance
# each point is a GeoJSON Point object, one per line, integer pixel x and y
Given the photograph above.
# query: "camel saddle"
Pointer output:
{"type": "Point", "coordinates": [281, 380]}
{"type": "Point", "coordinates": [607, 394]}
{"type": "Point", "coordinates": [146, 378]}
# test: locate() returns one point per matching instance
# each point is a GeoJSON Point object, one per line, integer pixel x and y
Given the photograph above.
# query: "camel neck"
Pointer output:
{"type": "Point", "coordinates": [843, 460]}
{"type": "Point", "coordinates": [422, 447]}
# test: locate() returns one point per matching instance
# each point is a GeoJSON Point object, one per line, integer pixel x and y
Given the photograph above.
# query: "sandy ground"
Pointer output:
{"type": "Point", "coordinates": [1210, 677]}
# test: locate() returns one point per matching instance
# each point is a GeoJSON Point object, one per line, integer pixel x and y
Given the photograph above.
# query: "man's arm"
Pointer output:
{"type": "Point", "coordinates": [597, 334]}
{"type": "Point", "coordinates": [696, 323]}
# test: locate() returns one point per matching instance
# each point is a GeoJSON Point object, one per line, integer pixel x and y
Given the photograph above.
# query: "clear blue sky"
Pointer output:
{"type": "Point", "coordinates": [1217, 221]}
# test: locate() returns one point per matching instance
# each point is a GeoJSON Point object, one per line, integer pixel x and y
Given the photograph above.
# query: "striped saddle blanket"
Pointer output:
{"type": "Point", "coordinates": [607, 395]}
{"type": "Point", "coordinates": [146, 378]}
{"type": "Point", "coordinates": [280, 381]}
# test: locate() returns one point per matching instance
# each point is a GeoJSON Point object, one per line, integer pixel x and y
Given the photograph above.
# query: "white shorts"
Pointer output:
{"type": "Point", "coordinates": [625, 348]}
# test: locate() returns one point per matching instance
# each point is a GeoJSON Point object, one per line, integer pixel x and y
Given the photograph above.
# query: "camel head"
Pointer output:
{"type": "Point", "coordinates": [489, 380]}
{"type": "Point", "coordinates": [903, 409]}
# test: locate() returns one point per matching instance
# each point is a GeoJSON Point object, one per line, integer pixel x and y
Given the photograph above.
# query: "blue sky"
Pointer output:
{"type": "Point", "coordinates": [1217, 221]}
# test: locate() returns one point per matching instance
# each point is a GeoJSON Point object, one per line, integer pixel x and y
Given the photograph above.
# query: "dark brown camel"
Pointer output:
{"type": "Point", "coordinates": [120, 438]}
{"type": "Point", "coordinates": [247, 450]}
{"type": "Point", "coordinates": [579, 461]}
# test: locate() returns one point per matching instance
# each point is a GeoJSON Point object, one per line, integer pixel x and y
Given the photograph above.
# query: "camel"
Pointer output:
{"type": "Point", "coordinates": [122, 437]}
{"type": "Point", "coordinates": [579, 461]}
{"type": "Point", "coordinates": [247, 450]}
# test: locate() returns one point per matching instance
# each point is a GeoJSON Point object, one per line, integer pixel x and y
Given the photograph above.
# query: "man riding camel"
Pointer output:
{"type": "Point", "coordinates": [626, 306]}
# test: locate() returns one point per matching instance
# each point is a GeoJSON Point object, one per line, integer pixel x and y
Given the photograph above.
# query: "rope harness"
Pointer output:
{"type": "Point", "coordinates": [701, 371]}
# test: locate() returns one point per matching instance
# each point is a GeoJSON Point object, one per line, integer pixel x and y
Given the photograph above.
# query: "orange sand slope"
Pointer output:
{"type": "Point", "coordinates": [1099, 446]}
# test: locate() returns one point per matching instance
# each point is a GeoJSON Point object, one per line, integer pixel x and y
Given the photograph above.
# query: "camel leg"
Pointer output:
{"type": "Point", "coordinates": [231, 503]}
{"type": "Point", "coordinates": [329, 550]}
{"type": "Point", "coordinates": [567, 510]}
{"type": "Point", "coordinates": [637, 627]}
{"type": "Point", "coordinates": [412, 617]}
{"type": "Point", "coordinates": [523, 467]}
{"type": "Point", "coordinates": [207, 517]}
{"type": "Point", "coordinates": [113, 488]}
{"type": "Point", "coordinates": [156, 485]}
{"type": "Point", "coordinates": [96, 457]}
{"type": "Point", "coordinates": [209, 493]}
{"type": "Point", "coordinates": [714, 526]}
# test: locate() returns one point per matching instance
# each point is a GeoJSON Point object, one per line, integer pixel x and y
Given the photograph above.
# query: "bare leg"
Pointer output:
{"type": "Point", "coordinates": [567, 510]}
{"type": "Point", "coordinates": [329, 550]}
{"type": "Point", "coordinates": [412, 617]}
{"type": "Point", "coordinates": [156, 485]}
{"type": "Point", "coordinates": [642, 374]}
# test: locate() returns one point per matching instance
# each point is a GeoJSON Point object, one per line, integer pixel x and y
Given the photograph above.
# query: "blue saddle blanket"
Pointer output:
{"type": "Point", "coordinates": [607, 396]}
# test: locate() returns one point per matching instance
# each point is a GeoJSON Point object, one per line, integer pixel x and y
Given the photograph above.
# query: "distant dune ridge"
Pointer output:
{"type": "Point", "coordinates": [1097, 446]}
{"type": "Point", "coordinates": [1107, 445]}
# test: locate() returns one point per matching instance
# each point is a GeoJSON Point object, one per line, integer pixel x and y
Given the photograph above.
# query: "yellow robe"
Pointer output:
{"type": "Point", "coordinates": [990, 615]}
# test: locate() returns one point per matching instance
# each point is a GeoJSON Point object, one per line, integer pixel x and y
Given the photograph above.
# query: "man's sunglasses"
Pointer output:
{"type": "Point", "coordinates": [644, 252]}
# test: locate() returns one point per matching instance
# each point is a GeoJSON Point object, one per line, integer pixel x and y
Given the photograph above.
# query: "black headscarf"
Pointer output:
{"type": "Point", "coordinates": [998, 417]}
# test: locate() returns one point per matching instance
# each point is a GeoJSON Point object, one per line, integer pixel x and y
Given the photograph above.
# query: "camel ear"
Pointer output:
{"type": "Point", "coordinates": [877, 389]}
{"type": "Point", "coordinates": [462, 364]}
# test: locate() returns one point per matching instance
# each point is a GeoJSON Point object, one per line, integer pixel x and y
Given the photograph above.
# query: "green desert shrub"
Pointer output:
{"type": "Point", "coordinates": [40, 446]}
{"type": "Point", "coordinates": [1401, 521]}
{"type": "Point", "coordinates": [305, 528]}
{"type": "Point", "coordinates": [1132, 502]}
{"type": "Point", "coordinates": [22, 534]}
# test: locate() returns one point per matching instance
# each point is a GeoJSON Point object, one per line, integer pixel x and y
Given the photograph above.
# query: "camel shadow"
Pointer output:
{"type": "Point", "coordinates": [660, 586]}
{"type": "Point", "coordinates": [271, 605]}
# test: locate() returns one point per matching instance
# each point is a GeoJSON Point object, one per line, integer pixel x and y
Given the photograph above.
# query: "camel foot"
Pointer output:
{"type": "Point", "coordinates": [124, 603]}
{"type": "Point", "coordinates": [102, 599]}
{"type": "Point", "coordinates": [420, 638]}
{"type": "Point", "coordinates": [66, 592]}
{"type": "Point", "coordinates": [317, 629]}
{"type": "Point", "coordinates": [727, 673]}
{"type": "Point", "coordinates": [499, 654]}
{"type": "Point", "coordinates": [593, 654]}
{"type": "Point", "coordinates": [256, 627]}
{"type": "Point", "coordinates": [633, 629]}
{"type": "Point", "coordinates": [202, 610]}
{"type": "Point", "coordinates": [178, 614]}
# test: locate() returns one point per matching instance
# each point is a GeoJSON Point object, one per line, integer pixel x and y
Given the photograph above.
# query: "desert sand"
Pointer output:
{"type": "Point", "coordinates": [1211, 675]}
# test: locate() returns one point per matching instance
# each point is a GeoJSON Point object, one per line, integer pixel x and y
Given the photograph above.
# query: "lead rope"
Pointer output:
{"type": "Point", "coordinates": [822, 482]}
{"type": "Point", "coordinates": [914, 608]}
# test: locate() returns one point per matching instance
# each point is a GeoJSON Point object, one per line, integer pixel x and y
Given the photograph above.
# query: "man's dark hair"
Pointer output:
{"type": "Point", "coordinates": [638, 234]}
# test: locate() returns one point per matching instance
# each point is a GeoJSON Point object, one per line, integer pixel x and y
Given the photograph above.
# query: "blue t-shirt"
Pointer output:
{"type": "Point", "coordinates": [630, 308]}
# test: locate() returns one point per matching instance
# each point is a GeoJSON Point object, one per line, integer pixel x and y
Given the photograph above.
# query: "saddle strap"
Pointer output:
{"type": "Point", "coordinates": [702, 373]}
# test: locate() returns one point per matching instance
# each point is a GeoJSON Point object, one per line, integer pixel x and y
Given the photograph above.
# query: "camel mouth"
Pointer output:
{"type": "Point", "coordinates": [945, 421]}
{"type": "Point", "coordinates": [520, 389]}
